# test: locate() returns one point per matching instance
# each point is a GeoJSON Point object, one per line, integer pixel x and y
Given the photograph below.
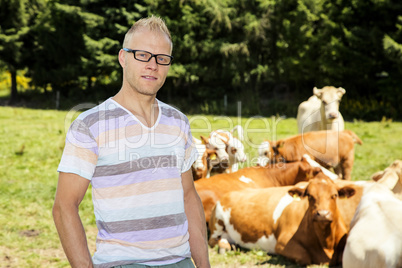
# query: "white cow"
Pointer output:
{"type": "Point", "coordinates": [236, 154]}
{"type": "Point", "coordinates": [375, 238]}
{"type": "Point", "coordinates": [321, 111]}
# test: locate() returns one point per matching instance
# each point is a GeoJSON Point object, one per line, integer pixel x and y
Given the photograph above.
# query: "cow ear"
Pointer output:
{"type": "Point", "coordinates": [377, 176]}
{"type": "Point", "coordinates": [341, 91]}
{"type": "Point", "coordinates": [296, 192]}
{"type": "Point", "coordinates": [280, 144]}
{"type": "Point", "coordinates": [390, 180]}
{"type": "Point", "coordinates": [210, 151]}
{"type": "Point", "coordinates": [315, 171]}
{"type": "Point", "coordinates": [204, 140]}
{"type": "Point", "coordinates": [346, 192]}
{"type": "Point", "coordinates": [317, 92]}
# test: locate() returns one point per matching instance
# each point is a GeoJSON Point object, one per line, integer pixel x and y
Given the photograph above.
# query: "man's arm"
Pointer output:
{"type": "Point", "coordinates": [196, 221]}
{"type": "Point", "coordinates": [71, 190]}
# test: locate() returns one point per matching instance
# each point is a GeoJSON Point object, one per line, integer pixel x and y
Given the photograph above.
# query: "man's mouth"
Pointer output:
{"type": "Point", "coordinates": [149, 77]}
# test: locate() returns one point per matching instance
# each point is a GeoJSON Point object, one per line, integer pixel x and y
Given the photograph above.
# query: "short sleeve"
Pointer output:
{"type": "Point", "coordinates": [80, 153]}
{"type": "Point", "coordinates": [191, 153]}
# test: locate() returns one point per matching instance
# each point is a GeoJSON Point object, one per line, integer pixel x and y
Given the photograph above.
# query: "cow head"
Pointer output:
{"type": "Point", "coordinates": [330, 99]}
{"type": "Point", "coordinates": [307, 172]}
{"type": "Point", "coordinates": [322, 195]}
{"type": "Point", "coordinates": [391, 177]}
{"type": "Point", "coordinates": [264, 153]}
{"type": "Point", "coordinates": [325, 171]}
{"type": "Point", "coordinates": [236, 150]}
{"type": "Point", "coordinates": [200, 166]}
{"type": "Point", "coordinates": [275, 151]}
{"type": "Point", "coordinates": [218, 143]}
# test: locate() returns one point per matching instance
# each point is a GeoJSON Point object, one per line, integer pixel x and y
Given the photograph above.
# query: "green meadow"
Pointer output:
{"type": "Point", "coordinates": [31, 144]}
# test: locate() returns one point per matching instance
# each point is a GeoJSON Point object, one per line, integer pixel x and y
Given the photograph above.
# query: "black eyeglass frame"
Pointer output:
{"type": "Point", "coordinates": [152, 56]}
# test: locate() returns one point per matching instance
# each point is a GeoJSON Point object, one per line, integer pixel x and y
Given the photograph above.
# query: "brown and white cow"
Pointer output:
{"type": "Point", "coordinates": [321, 111]}
{"type": "Point", "coordinates": [303, 224]}
{"type": "Point", "coordinates": [375, 238]}
{"type": "Point", "coordinates": [229, 149]}
{"type": "Point", "coordinates": [331, 149]}
{"type": "Point", "coordinates": [201, 166]}
{"type": "Point", "coordinates": [212, 189]}
{"type": "Point", "coordinates": [264, 153]}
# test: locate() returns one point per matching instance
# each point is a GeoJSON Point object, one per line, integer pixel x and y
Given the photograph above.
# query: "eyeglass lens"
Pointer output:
{"type": "Point", "coordinates": [146, 56]}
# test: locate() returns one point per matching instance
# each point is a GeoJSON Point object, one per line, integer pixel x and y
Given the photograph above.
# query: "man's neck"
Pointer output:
{"type": "Point", "coordinates": [143, 107]}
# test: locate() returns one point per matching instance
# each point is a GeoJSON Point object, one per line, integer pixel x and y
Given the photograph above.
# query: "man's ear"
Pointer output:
{"type": "Point", "coordinates": [122, 58]}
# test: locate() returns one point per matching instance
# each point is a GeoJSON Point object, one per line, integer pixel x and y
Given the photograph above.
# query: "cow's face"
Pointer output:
{"type": "Point", "coordinates": [322, 195]}
{"type": "Point", "coordinates": [264, 153]}
{"type": "Point", "coordinates": [236, 150]}
{"type": "Point", "coordinates": [218, 142]}
{"type": "Point", "coordinates": [330, 99]}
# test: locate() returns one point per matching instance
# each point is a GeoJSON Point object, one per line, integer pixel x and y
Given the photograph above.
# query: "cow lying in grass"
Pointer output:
{"type": "Point", "coordinates": [212, 189]}
{"type": "Point", "coordinates": [302, 223]}
{"type": "Point", "coordinates": [375, 238]}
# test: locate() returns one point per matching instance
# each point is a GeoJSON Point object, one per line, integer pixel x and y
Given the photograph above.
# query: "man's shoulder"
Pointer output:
{"type": "Point", "coordinates": [171, 111]}
{"type": "Point", "coordinates": [108, 109]}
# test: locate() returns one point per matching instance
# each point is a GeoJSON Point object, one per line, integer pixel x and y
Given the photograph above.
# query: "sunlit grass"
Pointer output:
{"type": "Point", "coordinates": [31, 144]}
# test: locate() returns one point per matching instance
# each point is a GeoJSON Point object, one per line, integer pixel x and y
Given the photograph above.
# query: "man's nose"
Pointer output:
{"type": "Point", "coordinates": [152, 63]}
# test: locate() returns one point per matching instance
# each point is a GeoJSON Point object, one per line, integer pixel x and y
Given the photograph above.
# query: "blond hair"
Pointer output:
{"type": "Point", "coordinates": [152, 23]}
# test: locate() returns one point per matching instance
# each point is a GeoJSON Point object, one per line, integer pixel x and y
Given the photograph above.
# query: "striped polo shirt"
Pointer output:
{"type": "Point", "coordinates": [135, 172]}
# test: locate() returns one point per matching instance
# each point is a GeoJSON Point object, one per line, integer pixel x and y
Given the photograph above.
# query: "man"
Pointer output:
{"type": "Point", "coordinates": [137, 153]}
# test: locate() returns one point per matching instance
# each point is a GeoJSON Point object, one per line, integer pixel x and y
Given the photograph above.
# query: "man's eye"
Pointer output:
{"type": "Point", "coordinates": [162, 59]}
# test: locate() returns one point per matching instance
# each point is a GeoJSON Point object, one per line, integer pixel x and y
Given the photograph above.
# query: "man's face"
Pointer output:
{"type": "Point", "coordinates": [145, 78]}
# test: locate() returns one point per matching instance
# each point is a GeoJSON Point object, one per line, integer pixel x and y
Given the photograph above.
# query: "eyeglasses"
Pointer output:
{"type": "Point", "coordinates": [146, 56]}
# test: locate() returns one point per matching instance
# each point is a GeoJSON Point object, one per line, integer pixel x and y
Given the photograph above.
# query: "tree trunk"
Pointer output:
{"type": "Point", "coordinates": [14, 92]}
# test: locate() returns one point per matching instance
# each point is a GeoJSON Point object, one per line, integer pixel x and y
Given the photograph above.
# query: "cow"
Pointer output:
{"type": "Point", "coordinates": [301, 222]}
{"type": "Point", "coordinates": [348, 206]}
{"type": "Point", "coordinates": [375, 238]}
{"type": "Point", "coordinates": [229, 149]}
{"type": "Point", "coordinates": [321, 111]}
{"type": "Point", "coordinates": [391, 177]}
{"type": "Point", "coordinates": [331, 149]}
{"type": "Point", "coordinates": [212, 189]}
{"type": "Point", "coordinates": [264, 153]}
{"type": "Point", "coordinates": [201, 166]}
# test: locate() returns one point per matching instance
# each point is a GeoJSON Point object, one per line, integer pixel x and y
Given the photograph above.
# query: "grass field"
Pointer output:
{"type": "Point", "coordinates": [31, 144]}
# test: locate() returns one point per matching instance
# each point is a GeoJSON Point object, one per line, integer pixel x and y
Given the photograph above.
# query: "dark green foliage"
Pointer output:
{"type": "Point", "coordinates": [267, 54]}
{"type": "Point", "coordinates": [15, 18]}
